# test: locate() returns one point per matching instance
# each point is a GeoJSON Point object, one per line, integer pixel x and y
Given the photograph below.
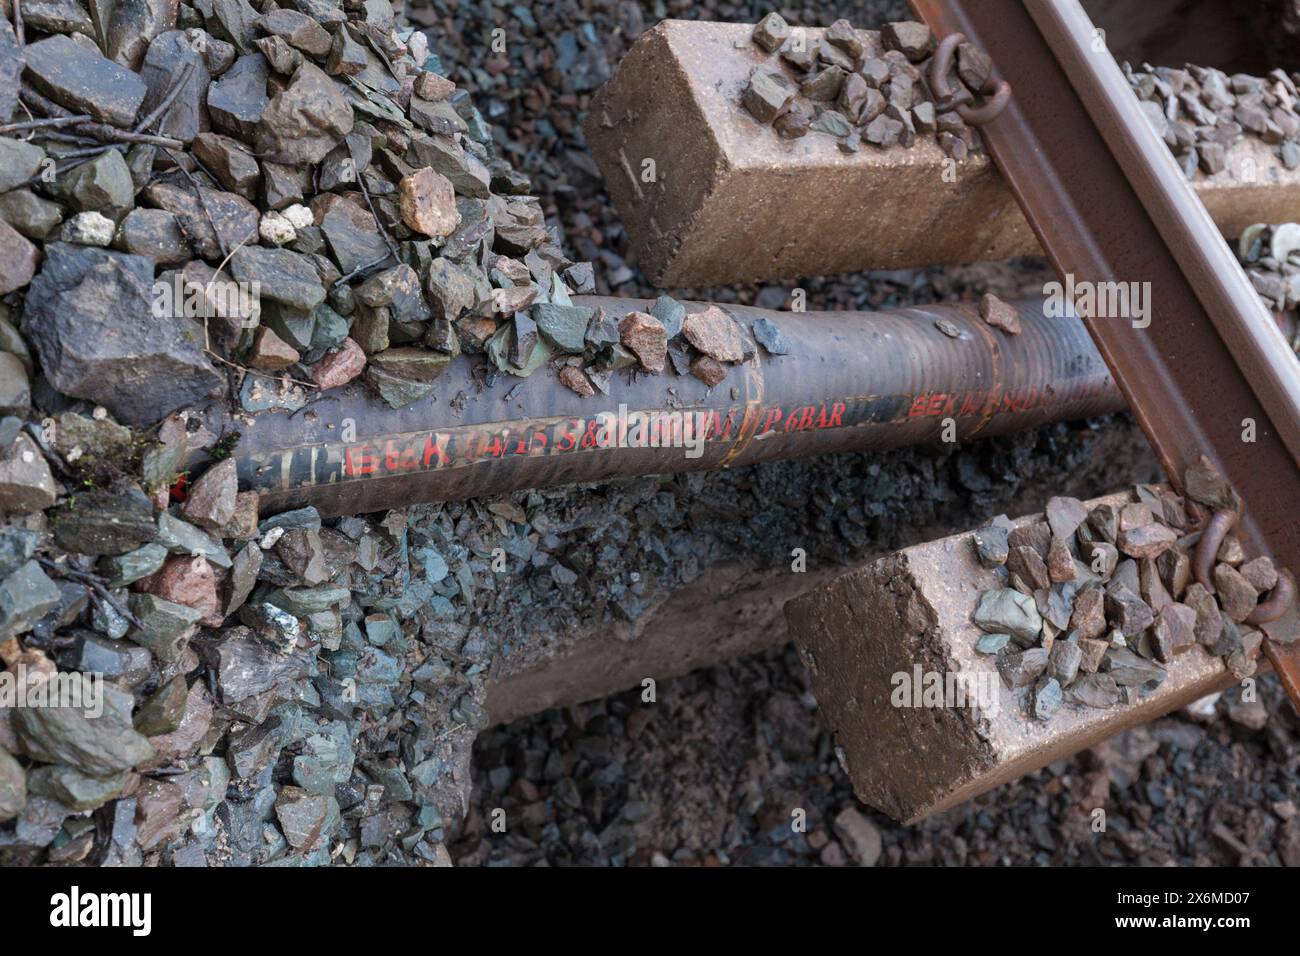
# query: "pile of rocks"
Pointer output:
{"type": "Point", "coordinates": [859, 85]}
{"type": "Point", "coordinates": [1200, 112]}
{"type": "Point", "coordinates": [304, 158]}
{"type": "Point", "coordinates": [1095, 602]}
{"type": "Point", "coordinates": [274, 689]}
{"type": "Point", "coordinates": [254, 673]}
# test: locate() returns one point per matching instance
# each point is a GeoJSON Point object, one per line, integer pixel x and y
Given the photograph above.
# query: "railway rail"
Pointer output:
{"type": "Point", "coordinates": [1207, 372]}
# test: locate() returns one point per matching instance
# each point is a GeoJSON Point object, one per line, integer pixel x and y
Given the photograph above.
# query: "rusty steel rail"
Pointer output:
{"type": "Point", "coordinates": [851, 380]}
{"type": "Point", "coordinates": [1109, 205]}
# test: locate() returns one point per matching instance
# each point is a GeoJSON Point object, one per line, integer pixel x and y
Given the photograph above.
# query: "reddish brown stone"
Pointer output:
{"type": "Point", "coordinates": [432, 87]}
{"type": "Point", "coordinates": [1026, 562]}
{"type": "Point", "coordinates": [243, 525]}
{"type": "Point", "coordinates": [270, 352]}
{"type": "Point", "coordinates": [186, 580]}
{"type": "Point", "coordinates": [1089, 617]}
{"type": "Point", "coordinates": [157, 812]}
{"type": "Point", "coordinates": [1261, 573]}
{"type": "Point", "coordinates": [575, 379]}
{"type": "Point", "coordinates": [1146, 541]}
{"type": "Point", "coordinates": [211, 503]}
{"type": "Point", "coordinates": [428, 202]}
{"type": "Point", "coordinates": [18, 259]}
{"type": "Point", "coordinates": [1236, 596]}
{"type": "Point", "coordinates": [715, 334]}
{"type": "Point", "coordinates": [1151, 587]}
{"type": "Point", "coordinates": [1060, 562]}
{"type": "Point", "coordinates": [998, 314]}
{"type": "Point", "coordinates": [1174, 631]}
{"type": "Point", "coordinates": [1135, 515]}
{"type": "Point", "coordinates": [708, 370]}
{"type": "Point", "coordinates": [340, 366]}
{"type": "Point", "coordinates": [1209, 619]}
{"type": "Point", "coordinates": [512, 300]}
{"type": "Point", "coordinates": [1093, 651]}
{"type": "Point", "coordinates": [646, 337]}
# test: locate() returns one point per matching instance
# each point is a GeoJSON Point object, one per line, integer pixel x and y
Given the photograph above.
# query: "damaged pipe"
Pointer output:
{"type": "Point", "coordinates": [849, 381]}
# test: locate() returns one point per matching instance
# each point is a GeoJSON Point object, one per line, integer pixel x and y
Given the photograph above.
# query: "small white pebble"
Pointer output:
{"type": "Point", "coordinates": [89, 229]}
{"type": "Point", "coordinates": [299, 216]}
{"type": "Point", "coordinates": [271, 537]}
{"type": "Point", "coordinates": [276, 229]}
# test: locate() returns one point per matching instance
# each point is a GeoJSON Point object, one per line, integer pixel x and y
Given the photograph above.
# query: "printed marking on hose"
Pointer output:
{"type": "Point", "coordinates": [466, 445]}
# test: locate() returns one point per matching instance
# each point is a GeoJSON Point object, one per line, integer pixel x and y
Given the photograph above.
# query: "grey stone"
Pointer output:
{"type": "Point", "coordinates": [298, 29]}
{"type": "Point", "coordinates": [234, 20]}
{"type": "Point", "coordinates": [1020, 668]}
{"type": "Point", "coordinates": [1130, 670]}
{"type": "Point", "coordinates": [162, 713]}
{"type": "Point", "coordinates": [243, 666]}
{"type": "Point", "coordinates": [1095, 690]}
{"type": "Point", "coordinates": [104, 521]}
{"type": "Point", "coordinates": [238, 98]}
{"type": "Point", "coordinates": [117, 660]}
{"type": "Point", "coordinates": [170, 55]}
{"type": "Point", "coordinates": [992, 643]}
{"type": "Point", "coordinates": [353, 236]}
{"type": "Point", "coordinates": [1128, 612]}
{"type": "Point", "coordinates": [1047, 698]}
{"type": "Point", "coordinates": [19, 162]}
{"type": "Point", "coordinates": [565, 326]}
{"type": "Point", "coordinates": [31, 215]}
{"type": "Point", "coordinates": [100, 745]}
{"type": "Point", "coordinates": [181, 537]}
{"type": "Point", "coordinates": [90, 315]}
{"type": "Point", "coordinates": [167, 626]}
{"type": "Point", "coordinates": [154, 233]}
{"type": "Point", "coordinates": [468, 176]}
{"type": "Point", "coordinates": [124, 569]}
{"type": "Point", "coordinates": [1063, 661]}
{"type": "Point", "coordinates": [26, 595]}
{"type": "Point", "coordinates": [78, 78]}
{"type": "Point", "coordinates": [769, 336]}
{"type": "Point", "coordinates": [405, 375]}
{"type": "Point", "coordinates": [11, 68]}
{"type": "Point", "coordinates": [767, 95]}
{"type": "Point", "coordinates": [18, 260]}
{"type": "Point", "coordinates": [285, 277]}
{"type": "Point", "coordinates": [991, 545]}
{"type": "Point", "coordinates": [234, 217]}
{"type": "Point", "coordinates": [308, 820]}
{"type": "Point", "coordinates": [74, 788]}
{"type": "Point", "coordinates": [1003, 610]}
{"type": "Point", "coordinates": [306, 120]}
{"type": "Point", "coordinates": [26, 483]}
{"type": "Point", "coordinates": [230, 161]}
{"type": "Point", "coordinates": [132, 24]}
{"type": "Point", "coordinates": [771, 32]}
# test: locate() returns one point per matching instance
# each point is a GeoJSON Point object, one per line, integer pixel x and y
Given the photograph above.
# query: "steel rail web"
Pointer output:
{"type": "Point", "coordinates": [1109, 204]}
